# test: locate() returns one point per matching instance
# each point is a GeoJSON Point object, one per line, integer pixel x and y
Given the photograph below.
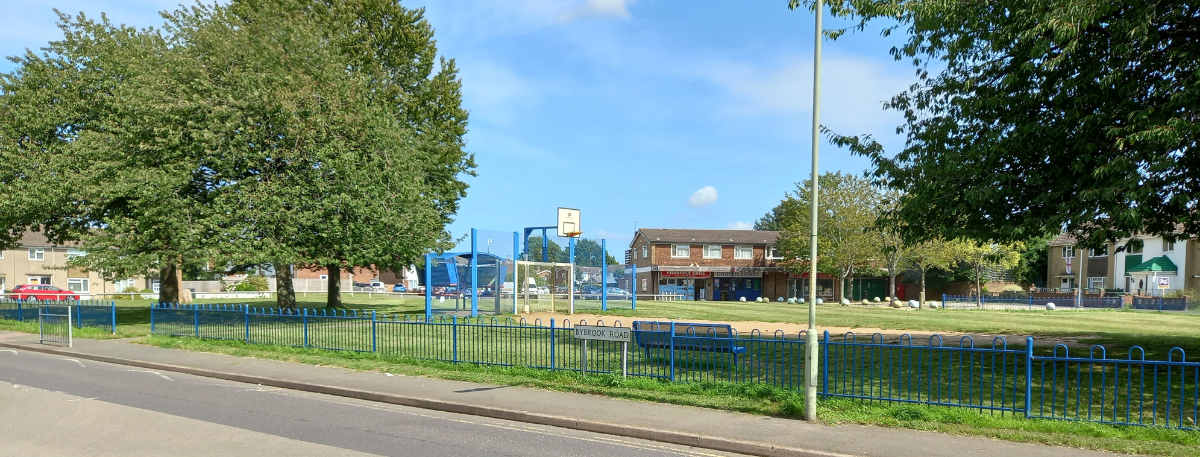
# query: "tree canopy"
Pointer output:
{"type": "Point", "coordinates": [310, 132]}
{"type": "Point", "coordinates": [1036, 117]}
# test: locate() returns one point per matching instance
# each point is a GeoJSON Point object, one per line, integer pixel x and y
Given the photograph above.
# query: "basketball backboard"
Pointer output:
{"type": "Point", "coordinates": [568, 223]}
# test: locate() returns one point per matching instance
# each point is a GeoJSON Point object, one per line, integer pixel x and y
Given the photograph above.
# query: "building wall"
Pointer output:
{"type": "Point", "coordinates": [661, 255]}
{"type": "Point", "coordinates": [16, 268]}
{"type": "Point", "coordinates": [1192, 268]}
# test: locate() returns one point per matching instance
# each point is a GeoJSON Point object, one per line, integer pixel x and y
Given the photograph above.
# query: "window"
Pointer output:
{"type": "Point", "coordinates": [1132, 250]}
{"type": "Point", "coordinates": [78, 285]}
{"type": "Point", "coordinates": [324, 277]}
{"type": "Point", "coordinates": [1, 255]}
{"type": "Point", "coordinates": [1100, 252]}
{"type": "Point", "coordinates": [37, 254]}
{"type": "Point", "coordinates": [712, 251]}
{"type": "Point", "coordinates": [1097, 283]}
{"type": "Point", "coordinates": [645, 252]}
{"type": "Point", "coordinates": [1068, 252]}
{"type": "Point", "coordinates": [644, 284]}
{"type": "Point", "coordinates": [743, 252]}
{"type": "Point", "coordinates": [121, 285]}
{"type": "Point", "coordinates": [680, 251]}
{"type": "Point", "coordinates": [635, 254]}
{"type": "Point", "coordinates": [773, 253]}
{"type": "Point", "coordinates": [1168, 246]}
{"type": "Point", "coordinates": [155, 285]}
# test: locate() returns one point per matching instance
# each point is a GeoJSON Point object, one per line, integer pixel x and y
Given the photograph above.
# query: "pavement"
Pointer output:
{"type": "Point", "coordinates": [693, 427]}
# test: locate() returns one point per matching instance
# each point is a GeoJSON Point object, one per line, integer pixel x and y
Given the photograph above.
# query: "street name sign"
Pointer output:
{"type": "Point", "coordinates": [595, 332]}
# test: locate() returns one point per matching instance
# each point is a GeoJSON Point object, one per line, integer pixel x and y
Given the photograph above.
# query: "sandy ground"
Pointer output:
{"type": "Point", "coordinates": [863, 334]}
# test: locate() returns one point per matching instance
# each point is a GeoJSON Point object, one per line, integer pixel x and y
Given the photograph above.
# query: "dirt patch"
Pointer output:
{"type": "Point", "coordinates": [862, 334]}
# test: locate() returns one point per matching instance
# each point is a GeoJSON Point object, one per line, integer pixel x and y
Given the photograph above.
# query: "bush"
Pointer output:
{"type": "Point", "coordinates": [252, 283]}
{"type": "Point", "coordinates": [130, 290]}
{"type": "Point", "coordinates": [1180, 293]}
{"type": "Point", "coordinates": [146, 291]}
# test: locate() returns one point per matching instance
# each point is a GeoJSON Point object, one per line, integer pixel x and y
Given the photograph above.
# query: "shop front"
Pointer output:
{"type": "Point", "coordinates": [798, 286]}
{"type": "Point", "coordinates": [687, 285]}
{"type": "Point", "coordinates": [738, 283]}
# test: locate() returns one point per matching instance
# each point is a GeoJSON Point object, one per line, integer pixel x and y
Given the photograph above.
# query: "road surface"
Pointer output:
{"type": "Point", "coordinates": [55, 405]}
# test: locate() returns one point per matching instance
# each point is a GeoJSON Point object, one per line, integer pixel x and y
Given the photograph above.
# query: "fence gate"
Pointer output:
{"type": "Point", "coordinates": [54, 324]}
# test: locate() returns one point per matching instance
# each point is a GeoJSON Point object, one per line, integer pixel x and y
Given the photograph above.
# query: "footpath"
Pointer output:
{"type": "Point", "coordinates": [684, 425]}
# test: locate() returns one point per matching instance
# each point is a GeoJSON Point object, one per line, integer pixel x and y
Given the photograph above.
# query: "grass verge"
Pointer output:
{"type": "Point", "coordinates": [86, 332]}
{"type": "Point", "coordinates": [748, 398]}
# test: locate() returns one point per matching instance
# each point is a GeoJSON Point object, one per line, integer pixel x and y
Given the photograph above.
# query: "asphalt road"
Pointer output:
{"type": "Point", "coordinates": [51, 405]}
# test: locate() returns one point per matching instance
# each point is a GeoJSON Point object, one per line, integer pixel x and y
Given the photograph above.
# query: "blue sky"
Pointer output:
{"type": "Point", "coordinates": [673, 114]}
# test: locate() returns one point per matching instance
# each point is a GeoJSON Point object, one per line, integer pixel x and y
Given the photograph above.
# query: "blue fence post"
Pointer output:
{"type": "Point", "coordinates": [824, 364]}
{"type": "Point", "coordinates": [552, 345]}
{"type": "Point", "coordinates": [373, 345]}
{"type": "Point", "coordinates": [672, 351]}
{"type": "Point", "coordinates": [603, 275]}
{"type": "Point", "coordinates": [79, 314]}
{"type": "Point", "coordinates": [152, 307]}
{"type": "Point", "coordinates": [1160, 303]}
{"type": "Point", "coordinates": [22, 319]}
{"type": "Point", "coordinates": [943, 301]}
{"type": "Point", "coordinates": [305, 327]}
{"type": "Point", "coordinates": [516, 248]}
{"type": "Point", "coordinates": [196, 319]}
{"type": "Point", "coordinates": [454, 337]}
{"type": "Point", "coordinates": [1031, 301]}
{"type": "Point", "coordinates": [1028, 375]}
{"type": "Point", "coordinates": [474, 273]}
{"type": "Point", "coordinates": [633, 286]}
{"type": "Point", "coordinates": [428, 287]}
{"type": "Point", "coordinates": [113, 309]}
{"type": "Point", "coordinates": [246, 315]}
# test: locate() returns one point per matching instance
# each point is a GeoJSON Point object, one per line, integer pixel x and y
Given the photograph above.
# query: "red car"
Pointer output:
{"type": "Point", "coordinates": [41, 292]}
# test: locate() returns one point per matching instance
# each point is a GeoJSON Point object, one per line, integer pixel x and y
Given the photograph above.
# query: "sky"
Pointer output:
{"type": "Point", "coordinates": [646, 113]}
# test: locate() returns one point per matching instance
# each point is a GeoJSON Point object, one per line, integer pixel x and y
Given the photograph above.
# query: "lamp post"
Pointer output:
{"type": "Point", "coordinates": [810, 341]}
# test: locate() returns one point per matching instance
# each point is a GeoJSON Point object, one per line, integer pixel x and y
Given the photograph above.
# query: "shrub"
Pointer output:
{"type": "Point", "coordinates": [252, 283]}
{"type": "Point", "coordinates": [130, 290]}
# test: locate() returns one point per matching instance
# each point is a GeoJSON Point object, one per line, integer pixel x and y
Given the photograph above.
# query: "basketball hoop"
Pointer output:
{"type": "Point", "coordinates": [573, 234]}
{"type": "Point", "coordinates": [568, 223]}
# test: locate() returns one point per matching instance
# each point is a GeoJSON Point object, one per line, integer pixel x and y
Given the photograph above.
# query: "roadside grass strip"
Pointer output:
{"type": "Point", "coordinates": [753, 398]}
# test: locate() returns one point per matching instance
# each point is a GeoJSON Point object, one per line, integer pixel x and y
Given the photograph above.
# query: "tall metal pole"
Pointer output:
{"type": "Point", "coordinates": [810, 340]}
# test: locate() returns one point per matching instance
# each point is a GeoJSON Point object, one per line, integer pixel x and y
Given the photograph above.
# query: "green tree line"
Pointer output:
{"type": "Point", "coordinates": [310, 133]}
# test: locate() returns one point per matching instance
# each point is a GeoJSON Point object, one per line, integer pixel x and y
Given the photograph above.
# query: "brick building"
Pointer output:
{"type": "Point", "coordinates": [715, 265]}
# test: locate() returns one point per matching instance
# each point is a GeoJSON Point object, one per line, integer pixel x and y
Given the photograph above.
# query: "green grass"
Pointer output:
{"type": "Point", "coordinates": [748, 398]}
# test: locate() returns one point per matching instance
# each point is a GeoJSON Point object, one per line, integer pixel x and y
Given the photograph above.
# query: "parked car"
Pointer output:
{"type": "Point", "coordinates": [399, 288]}
{"type": "Point", "coordinates": [42, 292]}
{"type": "Point", "coordinates": [377, 285]}
{"type": "Point", "coordinates": [619, 293]}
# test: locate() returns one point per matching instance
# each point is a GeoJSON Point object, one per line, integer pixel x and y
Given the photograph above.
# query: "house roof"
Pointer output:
{"type": "Point", "coordinates": [656, 235]}
{"type": "Point", "coordinates": [1064, 239]}
{"type": "Point", "coordinates": [1160, 263]}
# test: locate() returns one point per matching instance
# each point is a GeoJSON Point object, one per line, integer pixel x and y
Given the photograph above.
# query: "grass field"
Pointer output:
{"type": "Point", "coordinates": [1116, 329]}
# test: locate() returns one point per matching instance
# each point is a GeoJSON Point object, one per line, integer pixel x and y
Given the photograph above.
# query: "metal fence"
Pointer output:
{"type": "Point", "coordinates": [88, 313]}
{"type": "Point", "coordinates": [1028, 303]}
{"type": "Point", "coordinates": [1160, 303]}
{"type": "Point", "coordinates": [993, 377]}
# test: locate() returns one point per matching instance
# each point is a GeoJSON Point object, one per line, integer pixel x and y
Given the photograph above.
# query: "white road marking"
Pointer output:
{"type": "Point", "coordinates": [10, 350]}
{"type": "Point", "coordinates": [153, 372]}
{"type": "Point", "coordinates": [76, 361]}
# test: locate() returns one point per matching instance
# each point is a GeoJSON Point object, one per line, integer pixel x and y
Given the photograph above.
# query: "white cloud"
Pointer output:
{"type": "Point", "coordinates": [705, 196]}
{"type": "Point", "coordinates": [596, 8]}
{"type": "Point", "coordinates": [740, 225]}
{"type": "Point", "coordinates": [853, 89]}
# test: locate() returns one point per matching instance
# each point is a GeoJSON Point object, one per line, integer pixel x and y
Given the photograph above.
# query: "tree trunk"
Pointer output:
{"type": "Point", "coordinates": [892, 282]}
{"type": "Point", "coordinates": [979, 286]}
{"type": "Point", "coordinates": [922, 297]}
{"type": "Point", "coordinates": [285, 291]}
{"type": "Point", "coordinates": [168, 283]}
{"type": "Point", "coordinates": [335, 287]}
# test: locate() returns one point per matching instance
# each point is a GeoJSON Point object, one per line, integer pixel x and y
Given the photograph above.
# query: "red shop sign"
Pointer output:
{"type": "Point", "coordinates": [684, 274]}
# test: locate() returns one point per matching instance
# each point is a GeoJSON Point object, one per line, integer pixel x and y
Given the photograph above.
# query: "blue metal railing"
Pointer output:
{"type": "Point", "coordinates": [1028, 303]}
{"type": "Point", "coordinates": [85, 313]}
{"type": "Point", "coordinates": [989, 377]}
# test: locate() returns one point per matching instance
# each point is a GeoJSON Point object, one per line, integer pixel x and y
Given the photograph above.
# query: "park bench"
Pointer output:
{"type": "Point", "coordinates": [688, 337]}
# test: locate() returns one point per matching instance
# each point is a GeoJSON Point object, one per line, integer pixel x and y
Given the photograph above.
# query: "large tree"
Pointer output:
{"type": "Point", "coordinates": [847, 209]}
{"type": "Point", "coordinates": [1035, 117]}
{"type": "Point", "coordinates": [99, 148]}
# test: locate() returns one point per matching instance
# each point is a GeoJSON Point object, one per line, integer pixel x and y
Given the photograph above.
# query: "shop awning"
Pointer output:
{"type": "Point", "coordinates": [1160, 263]}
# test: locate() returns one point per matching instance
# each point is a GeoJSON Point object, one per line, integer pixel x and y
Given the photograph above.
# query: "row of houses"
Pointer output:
{"type": "Point", "coordinates": [696, 264]}
{"type": "Point", "coordinates": [37, 261]}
